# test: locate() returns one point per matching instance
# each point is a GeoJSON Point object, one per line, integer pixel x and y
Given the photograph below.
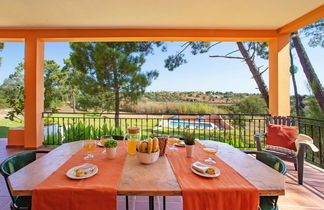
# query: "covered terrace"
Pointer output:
{"type": "Point", "coordinates": [40, 21]}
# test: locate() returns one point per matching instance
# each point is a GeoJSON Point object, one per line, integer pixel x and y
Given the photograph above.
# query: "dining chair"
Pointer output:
{"type": "Point", "coordinates": [13, 164]}
{"type": "Point", "coordinates": [287, 154]}
{"type": "Point", "coordinates": [269, 202]}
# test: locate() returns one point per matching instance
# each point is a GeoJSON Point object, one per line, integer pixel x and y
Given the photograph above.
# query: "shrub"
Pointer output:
{"type": "Point", "coordinates": [3, 103]}
{"type": "Point", "coordinates": [173, 108]}
{"type": "Point", "coordinates": [252, 105]}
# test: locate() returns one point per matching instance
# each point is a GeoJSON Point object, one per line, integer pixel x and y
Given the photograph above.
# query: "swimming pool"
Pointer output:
{"type": "Point", "coordinates": [191, 124]}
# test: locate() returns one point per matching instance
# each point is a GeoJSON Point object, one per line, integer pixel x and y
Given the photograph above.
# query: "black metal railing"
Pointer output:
{"type": "Point", "coordinates": [235, 129]}
{"type": "Point", "coordinates": [315, 129]}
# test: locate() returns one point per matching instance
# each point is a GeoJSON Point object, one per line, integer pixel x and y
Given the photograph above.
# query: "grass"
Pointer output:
{"type": "Point", "coordinates": [6, 124]}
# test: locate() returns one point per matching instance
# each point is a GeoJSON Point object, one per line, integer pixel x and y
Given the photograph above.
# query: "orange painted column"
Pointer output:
{"type": "Point", "coordinates": [279, 64]}
{"type": "Point", "coordinates": [34, 92]}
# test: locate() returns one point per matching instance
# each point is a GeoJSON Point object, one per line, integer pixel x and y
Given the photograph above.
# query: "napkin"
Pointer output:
{"type": "Point", "coordinates": [198, 166]}
{"type": "Point", "coordinates": [87, 167]}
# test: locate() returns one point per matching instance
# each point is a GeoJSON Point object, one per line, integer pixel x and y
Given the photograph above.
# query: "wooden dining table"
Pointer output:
{"type": "Point", "coordinates": [156, 179]}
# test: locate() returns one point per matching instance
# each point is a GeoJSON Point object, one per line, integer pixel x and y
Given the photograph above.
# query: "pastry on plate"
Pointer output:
{"type": "Point", "coordinates": [79, 172]}
{"type": "Point", "coordinates": [210, 171]}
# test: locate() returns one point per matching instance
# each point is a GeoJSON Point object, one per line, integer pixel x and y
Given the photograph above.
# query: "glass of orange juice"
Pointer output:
{"type": "Point", "coordinates": [131, 146]}
{"type": "Point", "coordinates": [132, 138]}
{"type": "Point", "coordinates": [173, 141]}
{"type": "Point", "coordinates": [89, 146]}
{"type": "Point", "coordinates": [210, 150]}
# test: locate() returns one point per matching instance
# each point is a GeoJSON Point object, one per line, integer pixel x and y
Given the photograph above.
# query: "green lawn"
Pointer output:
{"type": "Point", "coordinates": [6, 124]}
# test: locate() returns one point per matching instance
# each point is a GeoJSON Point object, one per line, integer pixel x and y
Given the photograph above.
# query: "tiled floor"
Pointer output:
{"type": "Point", "coordinates": [309, 196]}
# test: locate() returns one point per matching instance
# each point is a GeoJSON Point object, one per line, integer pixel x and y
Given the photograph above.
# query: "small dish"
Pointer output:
{"type": "Point", "coordinates": [217, 172]}
{"type": "Point", "coordinates": [99, 144]}
{"type": "Point", "coordinates": [92, 170]}
{"type": "Point", "coordinates": [180, 144]}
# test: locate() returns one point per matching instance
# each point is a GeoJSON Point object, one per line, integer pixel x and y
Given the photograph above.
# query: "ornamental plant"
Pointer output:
{"type": "Point", "coordinates": [189, 138]}
{"type": "Point", "coordinates": [110, 143]}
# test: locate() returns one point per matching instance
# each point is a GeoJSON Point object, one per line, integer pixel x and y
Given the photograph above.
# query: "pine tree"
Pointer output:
{"type": "Point", "coordinates": [112, 71]}
{"type": "Point", "coordinates": [315, 32]}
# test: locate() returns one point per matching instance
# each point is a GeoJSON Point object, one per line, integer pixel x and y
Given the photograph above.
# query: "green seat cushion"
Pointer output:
{"type": "Point", "coordinates": [272, 161]}
{"type": "Point", "coordinates": [268, 203]}
{"type": "Point", "coordinates": [23, 201]}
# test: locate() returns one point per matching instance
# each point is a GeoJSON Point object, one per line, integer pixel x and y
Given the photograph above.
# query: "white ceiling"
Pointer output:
{"type": "Point", "coordinates": [205, 14]}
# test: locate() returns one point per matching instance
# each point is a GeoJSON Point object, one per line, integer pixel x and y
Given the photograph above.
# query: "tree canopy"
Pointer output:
{"type": "Point", "coordinates": [112, 71]}
{"type": "Point", "coordinates": [54, 80]}
{"type": "Point", "coordinates": [13, 88]}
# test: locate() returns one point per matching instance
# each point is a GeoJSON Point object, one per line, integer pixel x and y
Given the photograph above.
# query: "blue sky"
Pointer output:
{"type": "Point", "coordinates": [201, 73]}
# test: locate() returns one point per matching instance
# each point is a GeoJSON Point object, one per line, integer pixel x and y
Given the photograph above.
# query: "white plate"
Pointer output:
{"type": "Point", "coordinates": [99, 144]}
{"type": "Point", "coordinates": [180, 144]}
{"type": "Point", "coordinates": [71, 172]}
{"type": "Point", "coordinates": [217, 172]}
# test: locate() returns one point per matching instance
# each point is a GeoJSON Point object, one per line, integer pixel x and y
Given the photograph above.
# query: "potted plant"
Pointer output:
{"type": "Point", "coordinates": [189, 140]}
{"type": "Point", "coordinates": [111, 147]}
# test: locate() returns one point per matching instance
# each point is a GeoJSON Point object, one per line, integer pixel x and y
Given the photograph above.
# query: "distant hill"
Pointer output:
{"type": "Point", "coordinates": [208, 97]}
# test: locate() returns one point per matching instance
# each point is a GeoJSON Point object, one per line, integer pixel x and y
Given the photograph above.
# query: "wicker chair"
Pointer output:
{"type": "Point", "coordinates": [296, 158]}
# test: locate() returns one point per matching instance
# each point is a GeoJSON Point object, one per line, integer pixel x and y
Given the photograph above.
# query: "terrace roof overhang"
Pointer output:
{"type": "Point", "coordinates": [145, 20]}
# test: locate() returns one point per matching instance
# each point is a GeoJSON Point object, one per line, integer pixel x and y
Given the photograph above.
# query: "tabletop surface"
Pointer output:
{"type": "Point", "coordinates": [155, 179]}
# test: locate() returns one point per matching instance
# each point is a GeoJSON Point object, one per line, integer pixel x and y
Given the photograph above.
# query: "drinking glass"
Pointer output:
{"type": "Point", "coordinates": [173, 141]}
{"type": "Point", "coordinates": [210, 150]}
{"type": "Point", "coordinates": [88, 146]}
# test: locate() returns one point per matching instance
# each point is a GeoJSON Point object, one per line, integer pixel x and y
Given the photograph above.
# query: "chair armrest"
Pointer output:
{"type": "Point", "coordinates": [257, 139]}
{"type": "Point", "coordinates": [303, 139]}
{"type": "Point", "coordinates": [302, 149]}
{"type": "Point", "coordinates": [251, 152]}
{"type": "Point", "coordinates": [260, 134]}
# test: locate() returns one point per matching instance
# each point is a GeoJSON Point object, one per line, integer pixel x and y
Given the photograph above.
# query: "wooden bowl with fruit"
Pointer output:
{"type": "Point", "coordinates": [148, 152]}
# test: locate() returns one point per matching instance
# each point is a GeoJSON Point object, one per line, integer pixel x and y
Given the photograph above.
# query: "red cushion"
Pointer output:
{"type": "Point", "coordinates": [282, 136]}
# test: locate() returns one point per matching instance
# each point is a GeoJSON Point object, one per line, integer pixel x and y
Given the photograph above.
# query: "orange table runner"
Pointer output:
{"type": "Point", "coordinates": [228, 191]}
{"type": "Point", "coordinates": [98, 192]}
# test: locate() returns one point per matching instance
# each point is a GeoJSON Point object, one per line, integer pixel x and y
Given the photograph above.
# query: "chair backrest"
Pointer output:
{"type": "Point", "coordinates": [272, 161]}
{"type": "Point", "coordinates": [279, 120]}
{"type": "Point", "coordinates": [270, 202]}
{"type": "Point", "coordinates": [16, 162]}
{"type": "Point", "coordinates": [285, 136]}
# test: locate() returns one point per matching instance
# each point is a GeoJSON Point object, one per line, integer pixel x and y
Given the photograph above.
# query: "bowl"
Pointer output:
{"type": "Point", "coordinates": [148, 158]}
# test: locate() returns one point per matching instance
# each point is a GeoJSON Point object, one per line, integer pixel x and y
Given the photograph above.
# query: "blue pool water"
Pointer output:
{"type": "Point", "coordinates": [194, 124]}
